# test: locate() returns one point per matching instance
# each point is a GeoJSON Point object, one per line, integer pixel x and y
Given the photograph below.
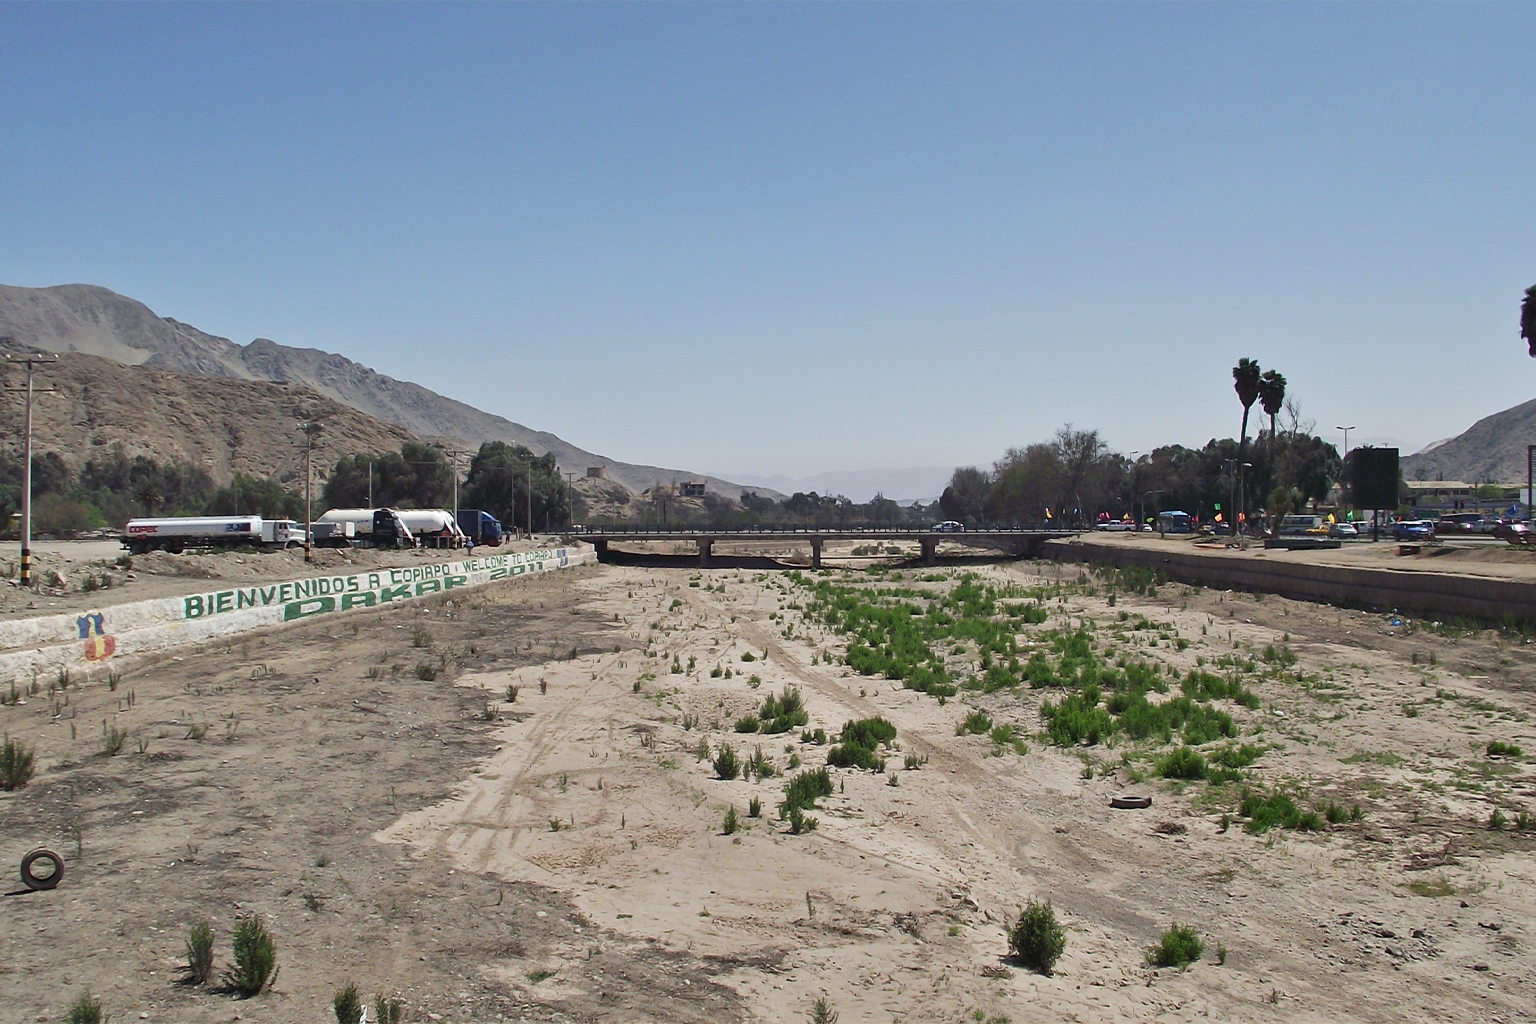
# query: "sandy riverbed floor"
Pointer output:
{"type": "Point", "coordinates": [562, 857]}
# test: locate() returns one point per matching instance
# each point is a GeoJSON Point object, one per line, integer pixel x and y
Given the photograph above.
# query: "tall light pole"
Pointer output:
{"type": "Point", "coordinates": [1346, 436]}
{"type": "Point", "coordinates": [26, 472]}
{"type": "Point", "coordinates": [311, 430]}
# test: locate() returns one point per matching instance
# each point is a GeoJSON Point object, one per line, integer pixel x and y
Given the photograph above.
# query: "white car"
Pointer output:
{"type": "Point", "coordinates": [1118, 524]}
{"type": "Point", "coordinates": [1343, 530]}
{"type": "Point", "coordinates": [949, 526]}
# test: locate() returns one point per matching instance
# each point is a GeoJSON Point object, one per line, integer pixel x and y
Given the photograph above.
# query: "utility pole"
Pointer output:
{"type": "Point", "coordinates": [1346, 437]}
{"type": "Point", "coordinates": [370, 483]}
{"type": "Point", "coordinates": [453, 453]}
{"type": "Point", "coordinates": [570, 498]}
{"type": "Point", "coordinates": [26, 472]}
{"type": "Point", "coordinates": [530, 496]}
{"type": "Point", "coordinates": [311, 430]}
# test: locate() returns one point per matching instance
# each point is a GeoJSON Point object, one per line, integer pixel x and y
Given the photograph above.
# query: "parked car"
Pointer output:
{"type": "Point", "coordinates": [949, 526]}
{"type": "Point", "coordinates": [1412, 529]}
{"type": "Point", "coordinates": [1343, 530]}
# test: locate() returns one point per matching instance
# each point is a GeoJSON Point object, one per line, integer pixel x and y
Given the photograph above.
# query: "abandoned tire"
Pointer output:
{"type": "Point", "coordinates": [1130, 803]}
{"type": "Point", "coordinates": [34, 881]}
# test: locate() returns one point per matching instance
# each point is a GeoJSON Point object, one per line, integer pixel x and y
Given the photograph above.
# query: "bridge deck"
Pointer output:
{"type": "Point", "coordinates": [1022, 540]}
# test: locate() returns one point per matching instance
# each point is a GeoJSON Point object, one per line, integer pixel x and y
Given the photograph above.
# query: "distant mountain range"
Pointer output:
{"type": "Point", "coordinates": [93, 407]}
{"type": "Point", "coordinates": [1492, 450]}
{"type": "Point", "coordinates": [96, 321]}
{"type": "Point", "coordinates": [924, 483]}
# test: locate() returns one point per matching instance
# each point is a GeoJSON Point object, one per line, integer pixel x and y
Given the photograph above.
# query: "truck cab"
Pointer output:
{"type": "Point", "coordinates": [480, 526]}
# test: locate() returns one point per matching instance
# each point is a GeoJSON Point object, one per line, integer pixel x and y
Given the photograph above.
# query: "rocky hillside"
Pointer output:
{"type": "Point", "coordinates": [223, 424]}
{"type": "Point", "coordinates": [93, 320]}
{"type": "Point", "coordinates": [1492, 450]}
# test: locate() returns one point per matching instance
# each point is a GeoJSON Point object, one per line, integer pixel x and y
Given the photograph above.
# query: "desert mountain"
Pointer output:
{"type": "Point", "coordinates": [87, 406]}
{"type": "Point", "coordinates": [97, 321]}
{"type": "Point", "coordinates": [1492, 450]}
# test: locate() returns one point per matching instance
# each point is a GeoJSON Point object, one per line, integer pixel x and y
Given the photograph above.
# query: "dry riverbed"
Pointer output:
{"type": "Point", "coordinates": [562, 856]}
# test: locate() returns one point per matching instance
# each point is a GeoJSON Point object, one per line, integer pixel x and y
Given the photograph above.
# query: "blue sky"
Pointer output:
{"type": "Point", "coordinates": [798, 238]}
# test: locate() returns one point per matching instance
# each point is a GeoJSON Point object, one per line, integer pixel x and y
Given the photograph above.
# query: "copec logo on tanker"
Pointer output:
{"type": "Point", "coordinates": [316, 596]}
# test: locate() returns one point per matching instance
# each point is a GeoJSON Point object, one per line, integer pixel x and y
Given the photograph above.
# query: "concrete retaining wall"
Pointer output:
{"type": "Point", "coordinates": [1420, 593]}
{"type": "Point", "coordinates": [90, 637]}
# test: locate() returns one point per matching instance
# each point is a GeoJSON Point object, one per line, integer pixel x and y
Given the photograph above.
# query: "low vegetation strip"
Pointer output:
{"type": "Point", "coordinates": [50, 643]}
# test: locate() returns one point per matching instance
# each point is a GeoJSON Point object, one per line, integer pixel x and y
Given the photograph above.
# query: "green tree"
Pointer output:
{"type": "Point", "coordinates": [498, 483]}
{"type": "Point", "coordinates": [1528, 318]}
{"type": "Point", "coordinates": [1271, 397]}
{"type": "Point", "coordinates": [1245, 381]}
{"type": "Point", "coordinates": [967, 494]}
{"type": "Point", "coordinates": [417, 476]}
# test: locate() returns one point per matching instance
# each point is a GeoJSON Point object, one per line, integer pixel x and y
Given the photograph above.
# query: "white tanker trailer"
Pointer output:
{"type": "Point", "coordinates": [432, 527]}
{"type": "Point", "coordinates": [177, 533]}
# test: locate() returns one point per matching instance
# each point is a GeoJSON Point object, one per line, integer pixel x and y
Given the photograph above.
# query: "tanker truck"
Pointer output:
{"type": "Point", "coordinates": [177, 533]}
{"type": "Point", "coordinates": [432, 527]}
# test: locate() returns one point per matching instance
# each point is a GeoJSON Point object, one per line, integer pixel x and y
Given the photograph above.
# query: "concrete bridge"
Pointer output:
{"type": "Point", "coordinates": [1022, 542]}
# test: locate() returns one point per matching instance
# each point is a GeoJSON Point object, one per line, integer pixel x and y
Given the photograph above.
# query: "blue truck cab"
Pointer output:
{"type": "Point", "coordinates": [480, 526]}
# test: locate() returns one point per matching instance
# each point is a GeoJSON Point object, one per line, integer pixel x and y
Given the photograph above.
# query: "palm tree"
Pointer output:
{"type": "Point", "coordinates": [1271, 397]}
{"type": "Point", "coordinates": [1245, 376]}
{"type": "Point", "coordinates": [1528, 318]}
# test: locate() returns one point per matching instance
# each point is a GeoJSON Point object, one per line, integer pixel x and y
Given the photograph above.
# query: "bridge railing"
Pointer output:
{"type": "Point", "coordinates": [824, 531]}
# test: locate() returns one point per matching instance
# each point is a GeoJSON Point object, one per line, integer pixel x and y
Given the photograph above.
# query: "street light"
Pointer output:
{"type": "Point", "coordinates": [26, 472]}
{"type": "Point", "coordinates": [1346, 436]}
{"type": "Point", "coordinates": [311, 431]}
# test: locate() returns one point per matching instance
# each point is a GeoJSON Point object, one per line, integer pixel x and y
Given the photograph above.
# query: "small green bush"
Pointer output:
{"type": "Point", "coordinates": [1498, 748]}
{"type": "Point", "coordinates": [255, 956]}
{"type": "Point", "coordinates": [426, 672]}
{"type": "Point", "coordinates": [747, 724]}
{"type": "Point", "coordinates": [1036, 939]}
{"type": "Point", "coordinates": [731, 824]}
{"type": "Point", "coordinates": [1277, 810]}
{"type": "Point", "coordinates": [84, 1010]}
{"type": "Point", "coordinates": [15, 765]}
{"type": "Point", "coordinates": [754, 808]}
{"type": "Point", "coordinates": [1179, 947]}
{"type": "Point", "coordinates": [347, 1004]}
{"type": "Point", "coordinates": [975, 723]}
{"type": "Point", "coordinates": [199, 953]}
{"type": "Point", "coordinates": [804, 790]}
{"type": "Point", "coordinates": [388, 1009]}
{"type": "Point", "coordinates": [1183, 763]}
{"type": "Point", "coordinates": [726, 765]}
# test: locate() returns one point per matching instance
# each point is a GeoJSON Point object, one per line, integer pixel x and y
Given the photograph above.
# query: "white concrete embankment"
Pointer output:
{"type": "Point", "coordinates": [94, 637]}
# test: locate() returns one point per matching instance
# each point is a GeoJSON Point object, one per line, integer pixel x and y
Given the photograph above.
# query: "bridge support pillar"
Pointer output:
{"type": "Point", "coordinates": [704, 550]}
{"type": "Point", "coordinates": [816, 552]}
{"type": "Point", "coordinates": [601, 547]}
{"type": "Point", "coordinates": [930, 549]}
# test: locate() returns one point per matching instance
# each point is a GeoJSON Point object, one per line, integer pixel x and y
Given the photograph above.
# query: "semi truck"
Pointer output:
{"type": "Point", "coordinates": [432, 527]}
{"type": "Point", "coordinates": [177, 533]}
{"type": "Point", "coordinates": [389, 531]}
{"type": "Point", "coordinates": [480, 526]}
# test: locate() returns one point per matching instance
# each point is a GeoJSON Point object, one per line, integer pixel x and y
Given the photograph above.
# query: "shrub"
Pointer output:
{"type": "Point", "coordinates": [783, 712]}
{"type": "Point", "coordinates": [1183, 763]}
{"type": "Point", "coordinates": [84, 1010]}
{"type": "Point", "coordinates": [388, 1009]}
{"type": "Point", "coordinates": [975, 723]}
{"type": "Point", "coordinates": [731, 824]}
{"type": "Point", "coordinates": [852, 755]}
{"type": "Point", "coordinates": [1179, 947]}
{"type": "Point", "coordinates": [421, 638]}
{"type": "Point", "coordinates": [758, 764]}
{"type": "Point", "coordinates": [1277, 809]}
{"type": "Point", "coordinates": [1497, 748]}
{"type": "Point", "coordinates": [15, 765]}
{"type": "Point", "coordinates": [255, 957]}
{"type": "Point", "coordinates": [199, 953]}
{"type": "Point", "coordinates": [754, 808]}
{"type": "Point", "coordinates": [1036, 939]}
{"type": "Point", "coordinates": [800, 822]}
{"type": "Point", "coordinates": [726, 765]}
{"type": "Point", "coordinates": [747, 724]}
{"type": "Point", "coordinates": [426, 672]}
{"type": "Point", "coordinates": [822, 1012]}
{"type": "Point", "coordinates": [748, 656]}
{"type": "Point", "coordinates": [804, 790]}
{"type": "Point", "coordinates": [112, 739]}
{"type": "Point", "coordinates": [347, 1004]}
{"type": "Point", "coordinates": [818, 736]}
